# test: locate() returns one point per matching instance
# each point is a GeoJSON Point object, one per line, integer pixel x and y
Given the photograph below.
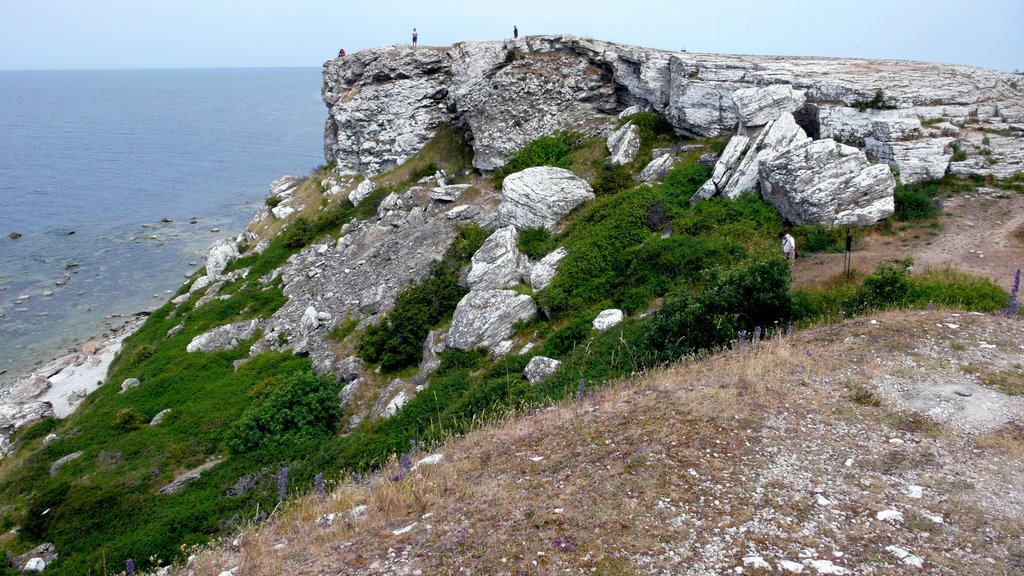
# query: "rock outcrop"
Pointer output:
{"type": "Point", "coordinates": [485, 318]}
{"type": "Point", "coordinates": [623, 144]}
{"type": "Point", "coordinates": [541, 196]}
{"type": "Point", "coordinates": [826, 182]}
{"type": "Point", "coordinates": [498, 263]}
{"type": "Point", "coordinates": [540, 368]}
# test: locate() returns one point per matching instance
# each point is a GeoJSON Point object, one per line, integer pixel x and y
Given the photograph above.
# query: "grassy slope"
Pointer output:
{"type": "Point", "coordinates": [616, 257]}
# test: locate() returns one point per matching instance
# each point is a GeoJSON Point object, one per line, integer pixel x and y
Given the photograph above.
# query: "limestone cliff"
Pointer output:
{"type": "Point", "coordinates": [385, 103]}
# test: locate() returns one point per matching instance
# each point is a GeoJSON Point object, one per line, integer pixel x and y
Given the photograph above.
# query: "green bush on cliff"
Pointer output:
{"type": "Point", "coordinates": [544, 151]}
{"type": "Point", "coordinates": [302, 409]}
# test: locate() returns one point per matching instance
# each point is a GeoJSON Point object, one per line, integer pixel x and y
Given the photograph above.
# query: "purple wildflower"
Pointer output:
{"type": "Point", "coordinates": [282, 484]}
{"type": "Point", "coordinates": [565, 543]}
{"type": "Point", "coordinates": [757, 333]}
{"type": "Point", "coordinates": [405, 462]}
{"type": "Point", "coordinates": [789, 329]}
{"type": "Point", "coordinates": [1013, 305]}
{"type": "Point", "coordinates": [130, 567]}
{"type": "Point", "coordinates": [318, 486]}
{"type": "Point", "coordinates": [808, 352]}
{"type": "Point", "coordinates": [398, 477]}
{"type": "Point", "coordinates": [579, 391]}
{"type": "Point", "coordinates": [930, 306]}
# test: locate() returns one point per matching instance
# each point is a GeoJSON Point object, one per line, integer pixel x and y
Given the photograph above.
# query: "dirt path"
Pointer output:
{"type": "Point", "coordinates": [976, 233]}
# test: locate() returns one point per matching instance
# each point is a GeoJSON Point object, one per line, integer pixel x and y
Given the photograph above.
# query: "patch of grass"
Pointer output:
{"type": "Point", "coordinates": [913, 422]}
{"type": "Point", "coordinates": [544, 151]}
{"type": "Point", "coordinates": [876, 103]}
{"type": "Point", "coordinates": [861, 394]}
{"type": "Point", "coordinates": [956, 289]}
{"type": "Point", "coordinates": [536, 242]}
{"type": "Point", "coordinates": [1009, 382]}
{"type": "Point", "coordinates": [342, 329]}
{"type": "Point", "coordinates": [912, 203]}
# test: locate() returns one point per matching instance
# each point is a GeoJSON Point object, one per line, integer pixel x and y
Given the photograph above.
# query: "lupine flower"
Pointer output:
{"type": "Point", "coordinates": [282, 484]}
{"type": "Point", "coordinates": [579, 391]}
{"type": "Point", "coordinates": [405, 462]}
{"type": "Point", "coordinates": [789, 329]}
{"type": "Point", "coordinates": [318, 486]}
{"type": "Point", "coordinates": [398, 477]}
{"type": "Point", "coordinates": [130, 567]}
{"type": "Point", "coordinates": [930, 306]}
{"type": "Point", "coordinates": [757, 333]}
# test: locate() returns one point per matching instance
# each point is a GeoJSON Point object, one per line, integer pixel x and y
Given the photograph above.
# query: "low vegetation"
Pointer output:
{"type": "Point", "coordinates": [692, 279]}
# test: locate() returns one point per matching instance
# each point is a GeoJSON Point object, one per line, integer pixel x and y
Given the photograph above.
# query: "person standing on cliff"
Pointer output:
{"type": "Point", "coordinates": [515, 31]}
{"type": "Point", "coordinates": [415, 37]}
{"type": "Point", "coordinates": [788, 246]}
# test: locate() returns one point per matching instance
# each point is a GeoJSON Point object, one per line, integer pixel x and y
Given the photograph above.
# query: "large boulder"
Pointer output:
{"type": "Point", "coordinates": [724, 168]}
{"type": "Point", "coordinates": [485, 318]}
{"type": "Point", "coordinates": [776, 136]}
{"type": "Point", "coordinates": [915, 160]}
{"type": "Point", "coordinates": [362, 191]}
{"type": "Point", "coordinates": [218, 256]}
{"type": "Point", "coordinates": [825, 182]}
{"type": "Point", "coordinates": [760, 105]}
{"type": "Point", "coordinates": [607, 319]}
{"type": "Point", "coordinates": [656, 169]}
{"type": "Point", "coordinates": [285, 185]}
{"type": "Point", "coordinates": [541, 196]}
{"type": "Point", "coordinates": [623, 144]}
{"type": "Point", "coordinates": [498, 263]}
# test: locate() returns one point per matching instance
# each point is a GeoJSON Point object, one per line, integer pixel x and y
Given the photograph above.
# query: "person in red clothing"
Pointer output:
{"type": "Point", "coordinates": [341, 53]}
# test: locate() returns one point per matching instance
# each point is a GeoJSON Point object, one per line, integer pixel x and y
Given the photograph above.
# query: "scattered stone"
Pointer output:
{"type": "Point", "coordinates": [606, 319]}
{"type": "Point", "coordinates": [128, 384]}
{"type": "Point", "coordinates": [408, 528]}
{"type": "Point", "coordinates": [58, 464]}
{"type": "Point", "coordinates": [893, 516]}
{"type": "Point", "coordinates": [428, 460]}
{"type": "Point", "coordinates": [791, 567]}
{"type": "Point", "coordinates": [448, 193]}
{"type": "Point", "coordinates": [827, 567]}
{"type": "Point", "coordinates": [498, 263]}
{"type": "Point", "coordinates": [905, 556]}
{"type": "Point", "coordinates": [362, 191]}
{"type": "Point", "coordinates": [182, 479]}
{"type": "Point", "coordinates": [540, 368]}
{"type": "Point", "coordinates": [159, 418]}
{"type": "Point", "coordinates": [223, 337]}
{"type": "Point", "coordinates": [485, 318]}
{"type": "Point", "coordinates": [543, 272]}
{"type": "Point", "coordinates": [756, 562]}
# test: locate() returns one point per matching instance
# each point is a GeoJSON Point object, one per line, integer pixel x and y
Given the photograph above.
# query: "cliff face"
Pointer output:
{"type": "Point", "coordinates": [385, 103]}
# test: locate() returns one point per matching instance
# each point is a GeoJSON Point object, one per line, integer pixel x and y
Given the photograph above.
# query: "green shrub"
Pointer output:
{"type": "Point", "coordinates": [129, 419]}
{"type": "Point", "coordinates": [544, 151]}
{"type": "Point", "coordinates": [889, 285]}
{"type": "Point", "coordinates": [819, 238]}
{"type": "Point", "coordinates": [341, 330]}
{"type": "Point", "coordinates": [956, 289]}
{"type": "Point", "coordinates": [300, 232]}
{"type": "Point", "coordinates": [756, 295]}
{"type": "Point", "coordinates": [876, 103]}
{"type": "Point", "coordinates": [611, 179]}
{"type": "Point", "coordinates": [913, 204]}
{"type": "Point", "coordinates": [38, 430]}
{"type": "Point", "coordinates": [428, 169]}
{"type": "Point", "coordinates": [959, 154]}
{"type": "Point", "coordinates": [682, 181]}
{"type": "Point", "coordinates": [468, 239]}
{"type": "Point", "coordinates": [650, 127]}
{"type": "Point", "coordinates": [536, 242]}
{"type": "Point", "coordinates": [746, 218]}
{"type": "Point", "coordinates": [565, 339]}
{"type": "Point", "coordinates": [302, 409]}
{"type": "Point", "coordinates": [273, 201]}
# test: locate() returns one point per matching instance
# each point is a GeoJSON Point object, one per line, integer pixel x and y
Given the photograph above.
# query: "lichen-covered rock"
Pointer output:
{"type": "Point", "coordinates": [607, 319]}
{"type": "Point", "coordinates": [540, 368]}
{"type": "Point", "coordinates": [14, 415]}
{"type": "Point", "coordinates": [159, 418]}
{"type": "Point", "coordinates": [128, 384]}
{"type": "Point", "coordinates": [348, 392]}
{"type": "Point", "coordinates": [362, 191]}
{"type": "Point", "coordinates": [724, 168]}
{"type": "Point", "coordinates": [915, 160]}
{"type": "Point", "coordinates": [448, 192]}
{"type": "Point", "coordinates": [760, 105]}
{"type": "Point", "coordinates": [285, 185]}
{"type": "Point", "coordinates": [656, 169]}
{"type": "Point", "coordinates": [776, 136]}
{"type": "Point", "coordinates": [350, 368]}
{"type": "Point", "coordinates": [485, 318]}
{"type": "Point", "coordinates": [543, 272]}
{"type": "Point", "coordinates": [498, 263]}
{"type": "Point", "coordinates": [825, 182]}
{"type": "Point", "coordinates": [392, 398]}
{"type": "Point", "coordinates": [541, 196]}
{"type": "Point", "coordinates": [623, 144]}
{"type": "Point", "coordinates": [223, 337]}
{"type": "Point", "coordinates": [218, 256]}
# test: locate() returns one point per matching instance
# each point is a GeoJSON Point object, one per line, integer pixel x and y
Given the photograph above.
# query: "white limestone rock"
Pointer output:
{"type": "Point", "coordinates": [285, 185]}
{"type": "Point", "coordinates": [448, 193]}
{"type": "Point", "coordinates": [35, 565]}
{"type": "Point", "coordinates": [776, 136]}
{"type": "Point", "coordinates": [223, 337]}
{"type": "Point", "coordinates": [392, 398]}
{"type": "Point", "coordinates": [348, 392]}
{"type": "Point", "coordinates": [824, 182]}
{"type": "Point", "coordinates": [656, 169]}
{"type": "Point", "coordinates": [916, 160]}
{"type": "Point", "coordinates": [724, 168]}
{"type": "Point", "coordinates": [360, 193]}
{"type": "Point", "coordinates": [159, 418]}
{"type": "Point", "coordinates": [540, 368]}
{"type": "Point", "coordinates": [56, 465]}
{"type": "Point", "coordinates": [623, 144]}
{"type": "Point", "coordinates": [607, 319]}
{"type": "Point", "coordinates": [543, 272]}
{"type": "Point", "coordinates": [282, 211]}
{"type": "Point", "coordinates": [498, 263]}
{"type": "Point", "coordinates": [760, 105]}
{"type": "Point", "coordinates": [485, 318]}
{"type": "Point", "coordinates": [128, 384]}
{"type": "Point", "coordinates": [541, 196]}
{"type": "Point", "coordinates": [218, 256]}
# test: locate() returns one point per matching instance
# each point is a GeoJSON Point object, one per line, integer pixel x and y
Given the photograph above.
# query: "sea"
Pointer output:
{"type": "Point", "coordinates": [114, 183]}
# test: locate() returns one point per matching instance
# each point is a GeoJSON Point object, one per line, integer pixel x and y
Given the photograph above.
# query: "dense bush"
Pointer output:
{"type": "Point", "coordinates": [536, 242]}
{"type": "Point", "coordinates": [544, 151]}
{"type": "Point", "coordinates": [302, 409]}
{"type": "Point", "coordinates": [819, 238]}
{"type": "Point", "coordinates": [913, 204]}
{"type": "Point", "coordinates": [888, 285]}
{"type": "Point", "coordinates": [650, 127]}
{"type": "Point", "coordinates": [611, 179]}
{"type": "Point", "coordinates": [682, 181]}
{"type": "Point", "coordinates": [742, 299]}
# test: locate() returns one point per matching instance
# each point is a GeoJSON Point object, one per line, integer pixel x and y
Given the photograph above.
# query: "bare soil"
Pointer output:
{"type": "Point", "coordinates": [976, 233]}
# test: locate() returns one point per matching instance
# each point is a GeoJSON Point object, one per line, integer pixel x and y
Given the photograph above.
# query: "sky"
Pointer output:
{"type": "Point", "coordinates": [102, 34]}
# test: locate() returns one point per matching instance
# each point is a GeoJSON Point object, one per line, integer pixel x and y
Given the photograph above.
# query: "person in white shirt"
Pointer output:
{"type": "Point", "coordinates": [788, 246]}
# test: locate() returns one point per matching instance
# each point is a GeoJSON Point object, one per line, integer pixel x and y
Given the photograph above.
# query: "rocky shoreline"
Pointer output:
{"type": "Point", "coordinates": [56, 388]}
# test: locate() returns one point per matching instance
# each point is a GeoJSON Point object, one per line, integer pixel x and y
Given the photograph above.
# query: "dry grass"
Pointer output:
{"type": "Point", "coordinates": [684, 470]}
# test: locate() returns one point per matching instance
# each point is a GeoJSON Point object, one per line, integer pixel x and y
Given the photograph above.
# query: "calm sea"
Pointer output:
{"type": "Point", "coordinates": [117, 182]}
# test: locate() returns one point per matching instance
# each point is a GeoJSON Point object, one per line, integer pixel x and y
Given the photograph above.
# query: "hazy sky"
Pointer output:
{"type": "Point", "coordinates": [69, 34]}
